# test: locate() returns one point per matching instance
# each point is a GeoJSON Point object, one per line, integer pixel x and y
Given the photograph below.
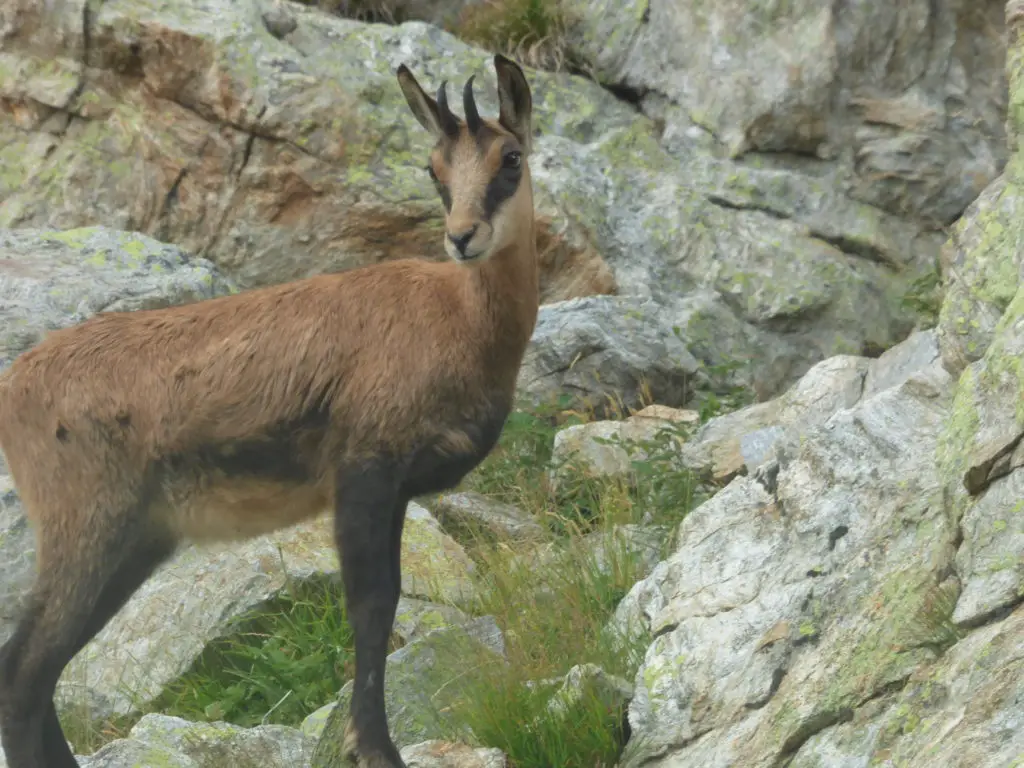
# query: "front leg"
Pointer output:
{"type": "Point", "coordinates": [368, 506]}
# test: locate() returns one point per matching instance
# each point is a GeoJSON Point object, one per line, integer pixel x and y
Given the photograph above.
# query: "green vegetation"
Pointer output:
{"type": "Point", "coordinates": [534, 32]}
{"type": "Point", "coordinates": [277, 666]}
{"type": "Point", "coordinates": [283, 662]}
{"type": "Point", "coordinates": [530, 31]}
{"type": "Point", "coordinates": [924, 297]}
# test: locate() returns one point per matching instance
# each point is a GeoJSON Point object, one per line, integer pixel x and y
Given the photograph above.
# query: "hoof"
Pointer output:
{"type": "Point", "coordinates": [367, 758]}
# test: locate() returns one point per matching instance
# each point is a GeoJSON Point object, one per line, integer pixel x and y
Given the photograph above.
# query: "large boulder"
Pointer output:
{"type": "Point", "coordinates": [856, 599]}
{"type": "Point", "coordinates": [274, 158]}
{"type": "Point", "coordinates": [52, 279]}
{"type": "Point", "coordinates": [170, 742]}
{"type": "Point", "coordinates": [900, 106]}
{"type": "Point", "coordinates": [798, 594]}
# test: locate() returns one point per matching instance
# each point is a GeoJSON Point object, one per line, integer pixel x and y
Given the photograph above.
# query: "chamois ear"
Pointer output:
{"type": "Point", "coordinates": [515, 103]}
{"type": "Point", "coordinates": [423, 107]}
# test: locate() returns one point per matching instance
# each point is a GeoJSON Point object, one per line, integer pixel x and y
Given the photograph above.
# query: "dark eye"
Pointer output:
{"type": "Point", "coordinates": [512, 159]}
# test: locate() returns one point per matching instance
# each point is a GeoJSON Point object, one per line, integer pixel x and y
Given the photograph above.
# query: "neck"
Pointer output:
{"type": "Point", "coordinates": [506, 289]}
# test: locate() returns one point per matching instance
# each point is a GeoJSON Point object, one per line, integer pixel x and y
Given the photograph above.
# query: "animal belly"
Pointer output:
{"type": "Point", "coordinates": [231, 510]}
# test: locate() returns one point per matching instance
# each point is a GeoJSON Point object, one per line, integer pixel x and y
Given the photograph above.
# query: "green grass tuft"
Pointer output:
{"type": "Point", "coordinates": [533, 32]}
{"type": "Point", "coordinates": [277, 665]}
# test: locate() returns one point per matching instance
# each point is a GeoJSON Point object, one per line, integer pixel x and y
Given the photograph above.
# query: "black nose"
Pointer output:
{"type": "Point", "coordinates": [461, 240]}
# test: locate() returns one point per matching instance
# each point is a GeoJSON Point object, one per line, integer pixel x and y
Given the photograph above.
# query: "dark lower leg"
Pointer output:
{"type": "Point", "coordinates": [22, 715]}
{"type": "Point", "coordinates": [71, 602]}
{"type": "Point", "coordinates": [131, 574]}
{"type": "Point", "coordinates": [397, 525]}
{"type": "Point", "coordinates": [32, 664]}
{"type": "Point", "coordinates": [364, 526]}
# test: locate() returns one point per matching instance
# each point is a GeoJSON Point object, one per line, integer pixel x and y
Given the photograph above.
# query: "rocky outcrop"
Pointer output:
{"type": "Point", "coordinates": [982, 263]}
{"type": "Point", "coordinates": [855, 598]}
{"type": "Point", "coordinates": [158, 740]}
{"type": "Point", "coordinates": [274, 158]}
{"type": "Point", "coordinates": [606, 352]}
{"type": "Point", "coordinates": [900, 108]}
{"type": "Point", "coordinates": [477, 515]}
{"type": "Point", "coordinates": [284, 149]}
{"type": "Point", "coordinates": [837, 602]}
{"type": "Point", "coordinates": [799, 593]}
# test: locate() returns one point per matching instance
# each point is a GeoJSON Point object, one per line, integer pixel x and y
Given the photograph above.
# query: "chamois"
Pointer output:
{"type": "Point", "coordinates": [133, 432]}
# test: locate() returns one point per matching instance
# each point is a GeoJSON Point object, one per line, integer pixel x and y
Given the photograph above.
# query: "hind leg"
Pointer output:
{"type": "Point", "coordinates": [367, 506]}
{"type": "Point", "coordinates": [130, 575]}
{"type": "Point", "coordinates": [76, 594]}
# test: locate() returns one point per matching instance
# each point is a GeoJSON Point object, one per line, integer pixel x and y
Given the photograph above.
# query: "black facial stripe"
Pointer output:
{"type": "Point", "coordinates": [501, 188]}
{"type": "Point", "coordinates": [446, 195]}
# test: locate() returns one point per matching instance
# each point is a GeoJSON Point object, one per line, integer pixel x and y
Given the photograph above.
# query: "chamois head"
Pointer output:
{"type": "Point", "coordinates": [477, 164]}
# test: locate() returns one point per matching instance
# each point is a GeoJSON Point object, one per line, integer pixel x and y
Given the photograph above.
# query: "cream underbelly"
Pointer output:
{"type": "Point", "coordinates": [235, 509]}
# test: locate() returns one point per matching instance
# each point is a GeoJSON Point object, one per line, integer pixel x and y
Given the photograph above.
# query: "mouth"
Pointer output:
{"type": "Point", "coordinates": [469, 257]}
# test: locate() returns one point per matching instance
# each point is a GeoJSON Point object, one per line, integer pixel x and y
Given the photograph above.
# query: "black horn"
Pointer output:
{"type": "Point", "coordinates": [448, 122]}
{"type": "Point", "coordinates": [469, 107]}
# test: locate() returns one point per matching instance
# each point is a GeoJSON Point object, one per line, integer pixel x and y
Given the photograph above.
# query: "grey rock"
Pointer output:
{"type": "Point", "coordinates": [982, 267]}
{"type": "Point", "coordinates": [434, 565]}
{"type": "Point", "coordinates": [315, 722]}
{"type": "Point", "coordinates": [990, 562]}
{"type": "Point", "coordinates": [441, 754]}
{"type": "Point", "coordinates": [315, 155]}
{"type": "Point", "coordinates": [756, 446]}
{"type": "Point", "coordinates": [159, 740]}
{"type": "Point", "coordinates": [980, 454]}
{"type": "Point", "coordinates": [585, 682]}
{"type": "Point", "coordinates": [724, 285]}
{"type": "Point", "coordinates": [606, 347]}
{"type": "Point", "coordinates": [608, 448]}
{"type": "Point", "coordinates": [421, 678]}
{"type": "Point", "coordinates": [278, 21]}
{"type": "Point", "coordinates": [717, 448]}
{"type": "Point", "coordinates": [895, 365]}
{"type": "Point", "coordinates": [189, 602]}
{"type": "Point", "coordinates": [54, 279]}
{"type": "Point", "coordinates": [987, 421]}
{"type": "Point", "coordinates": [415, 618]}
{"type": "Point", "coordinates": [960, 713]}
{"type": "Point", "coordinates": [742, 440]}
{"type": "Point", "coordinates": [17, 557]}
{"type": "Point", "coordinates": [477, 514]}
{"type": "Point", "coordinates": [778, 608]}
{"type": "Point", "coordinates": [805, 78]}
{"type": "Point", "coordinates": [317, 164]}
